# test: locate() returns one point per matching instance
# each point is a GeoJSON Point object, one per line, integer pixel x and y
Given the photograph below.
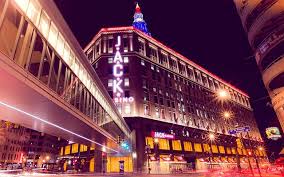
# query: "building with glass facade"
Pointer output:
{"type": "Point", "coordinates": [50, 86]}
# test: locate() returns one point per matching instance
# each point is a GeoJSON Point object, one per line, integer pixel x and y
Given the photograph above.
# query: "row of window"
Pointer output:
{"type": "Point", "coordinates": [178, 145]}
{"type": "Point", "coordinates": [73, 148]}
{"type": "Point", "coordinates": [19, 34]}
{"type": "Point", "coordinates": [202, 79]}
{"type": "Point", "coordinates": [8, 157]}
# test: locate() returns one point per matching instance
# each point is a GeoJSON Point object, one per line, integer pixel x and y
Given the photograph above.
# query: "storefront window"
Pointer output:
{"type": "Point", "coordinates": [61, 151]}
{"type": "Point", "coordinates": [149, 141]}
{"type": "Point", "coordinates": [228, 149]}
{"type": "Point", "coordinates": [206, 148]}
{"type": "Point", "coordinates": [83, 148]}
{"type": "Point", "coordinates": [197, 147]}
{"type": "Point", "coordinates": [176, 145]}
{"type": "Point", "coordinates": [187, 146]}
{"type": "Point", "coordinates": [75, 148]}
{"type": "Point", "coordinates": [240, 152]}
{"type": "Point", "coordinates": [164, 144]}
{"type": "Point", "coordinates": [234, 150]}
{"type": "Point", "coordinates": [222, 149]}
{"type": "Point", "coordinates": [214, 148]}
{"type": "Point", "coordinates": [67, 150]}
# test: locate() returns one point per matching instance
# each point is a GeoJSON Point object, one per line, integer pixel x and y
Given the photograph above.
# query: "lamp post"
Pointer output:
{"type": "Point", "coordinates": [211, 137]}
{"type": "Point", "coordinates": [147, 150]}
{"type": "Point", "coordinates": [156, 141]}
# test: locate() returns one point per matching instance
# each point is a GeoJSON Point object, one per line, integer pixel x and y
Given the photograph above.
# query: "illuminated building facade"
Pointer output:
{"type": "Point", "coordinates": [170, 102]}
{"type": "Point", "coordinates": [13, 139]}
{"type": "Point", "coordinates": [263, 22]}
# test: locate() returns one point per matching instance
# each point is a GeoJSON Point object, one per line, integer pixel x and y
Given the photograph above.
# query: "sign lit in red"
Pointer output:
{"type": "Point", "coordinates": [162, 135]}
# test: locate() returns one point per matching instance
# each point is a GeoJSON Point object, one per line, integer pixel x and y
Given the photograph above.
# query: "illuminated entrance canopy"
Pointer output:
{"type": "Point", "coordinates": [118, 74]}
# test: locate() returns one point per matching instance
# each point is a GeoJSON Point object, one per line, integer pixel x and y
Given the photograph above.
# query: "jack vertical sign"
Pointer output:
{"type": "Point", "coordinates": [118, 74]}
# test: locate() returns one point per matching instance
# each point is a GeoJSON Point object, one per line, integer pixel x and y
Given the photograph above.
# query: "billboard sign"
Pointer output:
{"type": "Point", "coordinates": [273, 133]}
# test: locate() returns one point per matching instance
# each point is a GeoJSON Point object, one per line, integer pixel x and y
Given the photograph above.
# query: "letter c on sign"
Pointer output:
{"type": "Point", "coordinates": [117, 70]}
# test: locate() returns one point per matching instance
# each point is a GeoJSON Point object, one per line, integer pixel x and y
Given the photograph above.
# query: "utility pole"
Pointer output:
{"type": "Point", "coordinates": [147, 149]}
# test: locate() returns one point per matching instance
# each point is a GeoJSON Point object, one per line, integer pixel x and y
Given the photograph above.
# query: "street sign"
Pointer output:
{"type": "Point", "coordinates": [239, 130]}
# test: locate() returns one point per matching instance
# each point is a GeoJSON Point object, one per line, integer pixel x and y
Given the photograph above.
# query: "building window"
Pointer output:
{"type": "Point", "coordinates": [176, 145]}
{"type": "Point", "coordinates": [110, 60]}
{"type": "Point", "coordinates": [126, 82]}
{"type": "Point", "coordinates": [156, 99]}
{"type": "Point", "coordinates": [125, 44]}
{"type": "Point", "coordinates": [127, 109]}
{"type": "Point", "coordinates": [146, 109]}
{"type": "Point", "coordinates": [110, 83]}
{"type": "Point", "coordinates": [164, 144]}
{"type": "Point", "coordinates": [150, 142]}
{"type": "Point", "coordinates": [187, 146]}
{"type": "Point", "coordinates": [145, 84]}
{"type": "Point", "coordinates": [197, 147]}
{"type": "Point", "coordinates": [141, 47]}
{"type": "Point", "coordinates": [163, 114]}
{"type": "Point", "coordinates": [127, 94]}
{"type": "Point", "coordinates": [110, 45]}
{"type": "Point", "coordinates": [125, 59]}
{"type": "Point", "coordinates": [157, 113]}
{"type": "Point", "coordinates": [146, 96]}
{"type": "Point", "coordinates": [153, 54]}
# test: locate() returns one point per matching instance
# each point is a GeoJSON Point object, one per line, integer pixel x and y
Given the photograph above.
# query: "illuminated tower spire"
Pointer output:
{"type": "Point", "coordinates": [139, 22]}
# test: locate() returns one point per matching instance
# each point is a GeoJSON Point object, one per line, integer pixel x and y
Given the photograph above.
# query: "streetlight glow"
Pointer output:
{"type": "Point", "coordinates": [134, 155]}
{"type": "Point", "coordinates": [211, 136]}
{"type": "Point", "coordinates": [222, 94]}
{"type": "Point", "coordinates": [227, 114]}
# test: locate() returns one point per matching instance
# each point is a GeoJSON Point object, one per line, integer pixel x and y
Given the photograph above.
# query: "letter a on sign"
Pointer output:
{"type": "Point", "coordinates": [117, 57]}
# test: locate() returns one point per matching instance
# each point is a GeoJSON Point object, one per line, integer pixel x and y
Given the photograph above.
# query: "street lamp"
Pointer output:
{"type": "Point", "coordinates": [211, 137]}
{"type": "Point", "coordinates": [156, 140]}
{"type": "Point", "coordinates": [134, 155]}
{"type": "Point", "coordinates": [226, 114]}
{"type": "Point", "coordinates": [222, 94]}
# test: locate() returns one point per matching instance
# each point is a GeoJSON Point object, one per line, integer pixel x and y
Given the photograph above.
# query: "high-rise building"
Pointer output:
{"type": "Point", "coordinates": [263, 22]}
{"type": "Point", "coordinates": [180, 112]}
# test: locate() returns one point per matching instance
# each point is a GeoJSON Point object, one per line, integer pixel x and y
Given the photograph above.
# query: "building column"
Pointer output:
{"type": "Point", "coordinates": [98, 156]}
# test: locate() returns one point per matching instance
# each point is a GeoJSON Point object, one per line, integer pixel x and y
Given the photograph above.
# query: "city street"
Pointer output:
{"type": "Point", "coordinates": [193, 174]}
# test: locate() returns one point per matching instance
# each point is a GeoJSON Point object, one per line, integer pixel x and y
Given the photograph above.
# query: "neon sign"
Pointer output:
{"type": "Point", "coordinates": [273, 133]}
{"type": "Point", "coordinates": [162, 135]}
{"type": "Point", "coordinates": [118, 73]}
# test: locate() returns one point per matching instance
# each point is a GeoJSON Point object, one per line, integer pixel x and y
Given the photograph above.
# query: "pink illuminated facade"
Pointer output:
{"type": "Point", "coordinates": [158, 90]}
